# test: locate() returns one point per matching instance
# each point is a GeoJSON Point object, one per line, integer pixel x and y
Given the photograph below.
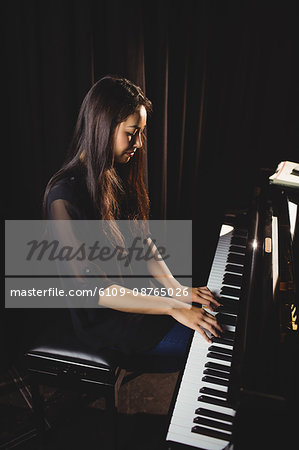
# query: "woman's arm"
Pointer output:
{"type": "Point", "coordinates": [123, 299]}
{"type": "Point", "coordinates": [159, 270]}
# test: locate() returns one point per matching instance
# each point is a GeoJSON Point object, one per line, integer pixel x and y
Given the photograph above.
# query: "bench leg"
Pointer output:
{"type": "Point", "coordinates": [111, 410]}
{"type": "Point", "coordinates": [111, 407]}
{"type": "Point", "coordinates": [38, 410]}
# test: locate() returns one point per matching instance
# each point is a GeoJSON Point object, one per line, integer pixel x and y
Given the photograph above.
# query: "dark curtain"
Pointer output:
{"type": "Point", "coordinates": [48, 68]}
{"type": "Point", "coordinates": [222, 76]}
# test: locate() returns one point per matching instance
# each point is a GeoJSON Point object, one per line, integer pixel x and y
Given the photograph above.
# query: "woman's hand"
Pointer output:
{"type": "Point", "coordinates": [201, 295]}
{"type": "Point", "coordinates": [199, 320]}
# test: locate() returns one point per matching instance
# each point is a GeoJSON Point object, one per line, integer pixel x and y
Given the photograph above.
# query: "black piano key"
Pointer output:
{"type": "Point", "coordinates": [214, 414]}
{"type": "Point", "coordinates": [217, 349]}
{"type": "Point", "coordinates": [232, 279]}
{"type": "Point", "coordinates": [214, 380]}
{"type": "Point", "coordinates": [214, 392]}
{"type": "Point", "coordinates": [217, 366]}
{"type": "Point", "coordinates": [211, 433]}
{"type": "Point", "coordinates": [229, 335]}
{"type": "Point", "coordinates": [226, 310]}
{"type": "Point", "coordinates": [240, 232]}
{"type": "Point", "coordinates": [234, 268]}
{"type": "Point", "coordinates": [216, 373]}
{"type": "Point", "coordinates": [213, 401]}
{"type": "Point", "coordinates": [237, 249]}
{"type": "Point", "coordinates": [214, 355]}
{"type": "Point", "coordinates": [236, 258]}
{"type": "Point", "coordinates": [229, 303]}
{"type": "Point", "coordinates": [226, 319]}
{"type": "Point", "coordinates": [238, 240]}
{"type": "Point", "coordinates": [213, 423]}
{"type": "Point", "coordinates": [233, 292]}
{"type": "Point", "coordinates": [217, 340]}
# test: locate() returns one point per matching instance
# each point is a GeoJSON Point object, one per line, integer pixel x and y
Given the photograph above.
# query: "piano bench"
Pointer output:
{"type": "Point", "coordinates": [61, 360]}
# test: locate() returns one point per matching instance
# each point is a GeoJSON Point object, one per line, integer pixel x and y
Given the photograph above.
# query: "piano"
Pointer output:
{"type": "Point", "coordinates": [241, 391]}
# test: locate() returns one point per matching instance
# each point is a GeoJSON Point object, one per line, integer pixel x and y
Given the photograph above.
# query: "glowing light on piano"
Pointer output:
{"type": "Point", "coordinates": [294, 317]}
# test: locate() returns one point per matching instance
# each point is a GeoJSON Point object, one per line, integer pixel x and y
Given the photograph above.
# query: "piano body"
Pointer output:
{"type": "Point", "coordinates": [241, 391]}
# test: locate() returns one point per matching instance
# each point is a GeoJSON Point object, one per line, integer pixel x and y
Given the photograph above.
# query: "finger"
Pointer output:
{"type": "Point", "coordinates": [205, 291]}
{"type": "Point", "coordinates": [210, 298]}
{"type": "Point", "coordinates": [212, 305]}
{"type": "Point", "coordinates": [207, 295]}
{"type": "Point", "coordinates": [208, 305]}
{"type": "Point", "coordinates": [198, 299]}
{"type": "Point", "coordinates": [202, 332]}
{"type": "Point", "coordinates": [212, 330]}
{"type": "Point", "coordinates": [208, 314]}
{"type": "Point", "coordinates": [216, 326]}
{"type": "Point", "coordinates": [212, 320]}
{"type": "Point", "coordinates": [212, 326]}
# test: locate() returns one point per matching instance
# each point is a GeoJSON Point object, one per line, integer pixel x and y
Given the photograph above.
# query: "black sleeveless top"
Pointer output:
{"type": "Point", "coordinates": [96, 326]}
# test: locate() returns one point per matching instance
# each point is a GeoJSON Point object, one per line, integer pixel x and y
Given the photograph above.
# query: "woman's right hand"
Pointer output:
{"type": "Point", "coordinates": [199, 320]}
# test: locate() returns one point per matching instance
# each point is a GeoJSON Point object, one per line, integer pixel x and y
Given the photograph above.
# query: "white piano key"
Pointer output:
{"type": "Point", "coordinates": [184, 405]}
{"type": "Point", "coordinates": [225, 346]}
{"type": "Point", "coordinates": [188, 416]}
{"type": "Point", "coordinates": [189, 391]}
{"type": "Point", "coordinates": [179, 434]}
{"type": "Point", "coordinates": [185, 421]}
{"type": "Point", "coordinates": [205, 384]}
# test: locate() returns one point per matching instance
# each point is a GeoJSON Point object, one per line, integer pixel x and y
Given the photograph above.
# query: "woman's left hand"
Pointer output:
{"type": "Point", "coordinates": [201, 295]}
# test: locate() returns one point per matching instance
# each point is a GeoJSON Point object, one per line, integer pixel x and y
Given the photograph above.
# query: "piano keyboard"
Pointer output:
{"type": "Point", "coordinates": [202, 417]}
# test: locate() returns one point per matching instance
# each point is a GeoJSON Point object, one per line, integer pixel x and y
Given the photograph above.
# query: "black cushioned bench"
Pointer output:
{"type": "Point", "coordinates": [59, 359]}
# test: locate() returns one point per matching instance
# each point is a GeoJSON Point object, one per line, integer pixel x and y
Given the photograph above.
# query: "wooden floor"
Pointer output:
{"type": "Point", "coordinates": [77, 422]}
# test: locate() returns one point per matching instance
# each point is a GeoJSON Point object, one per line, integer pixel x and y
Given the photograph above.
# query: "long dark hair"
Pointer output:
{"type": "Point", "coordinates": [108, 103]}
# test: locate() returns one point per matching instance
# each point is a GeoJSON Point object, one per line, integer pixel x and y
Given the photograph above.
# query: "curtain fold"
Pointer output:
{"type": "Point", "coordinates": [62, 48]}
{"type": "Point", "coordinates": [221, 75]}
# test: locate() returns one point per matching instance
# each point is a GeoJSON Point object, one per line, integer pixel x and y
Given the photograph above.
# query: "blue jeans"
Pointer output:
{"type": "Point", "coordinates": [168, 356]}
{"type": "Point", "coordinates": [174, 343]}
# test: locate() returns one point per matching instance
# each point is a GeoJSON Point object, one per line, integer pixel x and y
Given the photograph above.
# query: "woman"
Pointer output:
{"type": "Point", "coordinates": [103, 179]}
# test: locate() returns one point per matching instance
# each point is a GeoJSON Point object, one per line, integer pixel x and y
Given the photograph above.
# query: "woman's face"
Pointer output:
{"type": "Point", "coordinates": [128, 136]}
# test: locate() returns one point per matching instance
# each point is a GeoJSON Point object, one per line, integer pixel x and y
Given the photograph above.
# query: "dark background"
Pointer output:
{"type": "Point", "coordinates": [222, 76]}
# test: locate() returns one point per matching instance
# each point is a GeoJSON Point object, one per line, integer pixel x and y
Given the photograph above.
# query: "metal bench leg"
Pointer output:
{"type": "Point", "coordinates": [38, 410]}
{"type": "Point", "coordinates": [111, 407]}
